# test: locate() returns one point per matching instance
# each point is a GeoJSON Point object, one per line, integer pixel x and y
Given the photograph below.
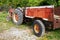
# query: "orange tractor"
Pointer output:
{"type": "Point", "coordinates": [42, 17]}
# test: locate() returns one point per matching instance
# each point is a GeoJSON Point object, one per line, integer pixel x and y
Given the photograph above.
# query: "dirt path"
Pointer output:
{"type": "Point", "coordinates": [17, 34]}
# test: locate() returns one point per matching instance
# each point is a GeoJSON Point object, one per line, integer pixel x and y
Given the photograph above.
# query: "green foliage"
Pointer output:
{"type": "Point", "coordinates": [52, 2]}
{"type": "Point", "coordinates": [34, 2]}
{"type": "Point", "coordinates": [24, 3]}
{"type": "Point", "coordinates": [59, 3]}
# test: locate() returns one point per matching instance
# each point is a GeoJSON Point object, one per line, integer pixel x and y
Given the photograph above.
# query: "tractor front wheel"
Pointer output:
{"type": "Point", "coordinates": [17, 17]}
{"type": "Point", "coordinates": [38, 28]}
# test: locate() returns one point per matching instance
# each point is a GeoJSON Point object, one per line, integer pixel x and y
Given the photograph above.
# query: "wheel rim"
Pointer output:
{"type": "Point", "coordinates": [36, 28]}
{"type": "Point", "coordinates": [15, 17]}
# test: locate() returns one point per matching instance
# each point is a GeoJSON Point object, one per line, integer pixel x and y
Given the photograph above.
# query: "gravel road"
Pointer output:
{"type": "Point", "coordinates": [17, 34]}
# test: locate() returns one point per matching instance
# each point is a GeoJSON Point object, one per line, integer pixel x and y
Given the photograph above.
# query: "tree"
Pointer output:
{"type": "Point", "coordinates": [24, 3]}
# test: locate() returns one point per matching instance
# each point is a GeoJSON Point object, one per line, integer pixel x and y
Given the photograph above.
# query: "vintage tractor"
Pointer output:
{"type": "Point", "coordinates": [42, 17]}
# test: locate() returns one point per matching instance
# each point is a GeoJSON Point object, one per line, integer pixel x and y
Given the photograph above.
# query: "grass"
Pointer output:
{"type": "Point", "coordinates": [54, 35]}
{"type": "Point", "coordinates": [4, 25]}
{"type": "Point", "coordinates": [51, 35]}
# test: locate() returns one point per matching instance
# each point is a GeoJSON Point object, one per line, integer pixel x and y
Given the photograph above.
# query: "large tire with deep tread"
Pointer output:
{"type": "Point", "coordinates": [17, 17]}
{"type": "Point", "coordinates": [39, 26]}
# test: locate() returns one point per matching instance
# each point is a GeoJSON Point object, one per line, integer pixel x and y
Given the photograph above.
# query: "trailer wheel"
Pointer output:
{"type": "Point", "coordinates": [38, 28]}
{"type": "Point", "coordinates": [17, 17]}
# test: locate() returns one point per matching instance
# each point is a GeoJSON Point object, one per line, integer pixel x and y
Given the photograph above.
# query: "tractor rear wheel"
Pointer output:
{"type": "Point", "coordinates": [17, 17]}
{"type": "Point", "coordinates": [38, 28]}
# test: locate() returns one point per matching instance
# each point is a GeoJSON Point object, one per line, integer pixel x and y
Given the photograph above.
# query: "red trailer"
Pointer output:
{"type": "Point", "coordinates": [42, 17]}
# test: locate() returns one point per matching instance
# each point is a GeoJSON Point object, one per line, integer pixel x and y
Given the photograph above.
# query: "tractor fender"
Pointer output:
{"type": "Point", "coordinates": [19, 8]}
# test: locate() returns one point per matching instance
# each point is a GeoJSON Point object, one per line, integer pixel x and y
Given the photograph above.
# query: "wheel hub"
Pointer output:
{"type": "Point", "coordinates": [15, 17]}
{"type": "Point", "coordinates": [36, 28]}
